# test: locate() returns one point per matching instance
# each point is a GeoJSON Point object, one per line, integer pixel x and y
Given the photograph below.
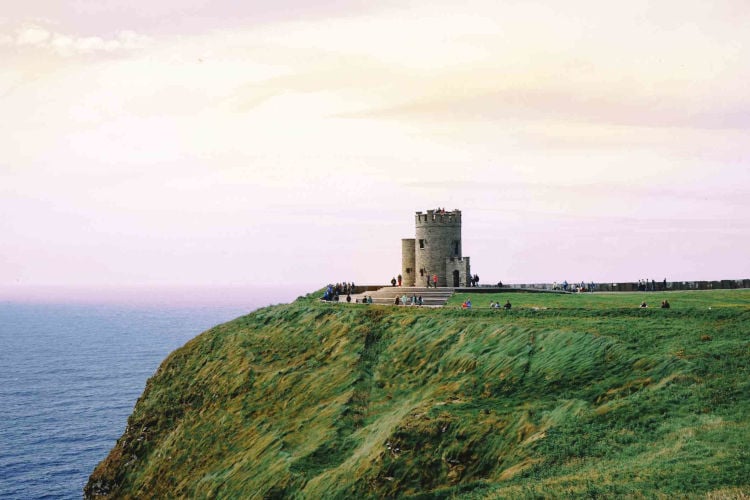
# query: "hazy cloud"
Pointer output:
{"type": "Point", "coordinates": [106, 18]}
{"type": "Point", "coordinates": [40, 36]}
{"type": "Point", "coordinates": [574, 107]}
{"type": "Point", "coordinates": [518, 191]}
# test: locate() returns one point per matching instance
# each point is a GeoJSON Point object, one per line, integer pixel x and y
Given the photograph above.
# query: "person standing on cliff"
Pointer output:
{"type": "Point", "coordinates": [393, 281]}
{"type": "Point", "coordinates": [434, 280]}
{"type": "Point", "coordinates": [399, 280]}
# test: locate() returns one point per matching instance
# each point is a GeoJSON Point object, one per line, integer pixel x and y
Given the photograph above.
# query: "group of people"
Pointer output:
{"type": "Point", "coordinates": [664, 304]}
{"type": "Point", "coordinates": [645, 286]}
{"type": "Point", "coordinates": [473, 280]}
{"type": "Point", "coordinates": [583, 287]}
{"type": "Point", "coordinates": [496, 305]}
{"type": "Point", "coordinates": [432, 280]}
{"type": "Point", "coordinates": [333, 292]}
{"type": "Point", "coordinates": [429, 280]}
{"type": "Point", "coordinates": [409, 301]}
{"type": "Point", "coordinates": [493, 305]}
{"type": "Point", "coordinates": [574, 287]}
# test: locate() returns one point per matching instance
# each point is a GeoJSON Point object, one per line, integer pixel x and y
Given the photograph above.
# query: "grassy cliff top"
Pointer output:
{"type": "Point", "coordinates": [574, 395]}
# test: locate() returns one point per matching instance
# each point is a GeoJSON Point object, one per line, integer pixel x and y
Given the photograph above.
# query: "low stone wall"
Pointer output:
{"type": "Point", "coordinates": [633, 286]}
{"type": "Point", "coordinates": [368, 288]}
{"type": "Point", "coordinates": [599, 287]}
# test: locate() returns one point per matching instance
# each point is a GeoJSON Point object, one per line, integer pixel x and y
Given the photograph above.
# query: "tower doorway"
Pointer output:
{"type": "Point", "coordinates": [456, 278]}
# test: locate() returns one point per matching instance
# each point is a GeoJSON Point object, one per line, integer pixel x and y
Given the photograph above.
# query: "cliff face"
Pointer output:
{"type": "Point", "coordinates": [311, 400]}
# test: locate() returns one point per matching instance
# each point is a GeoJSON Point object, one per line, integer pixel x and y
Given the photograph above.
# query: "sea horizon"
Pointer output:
{"type": "Point", "coordinates": [154, 295]}
{"type": "Point", "coordinates": [73, 364]}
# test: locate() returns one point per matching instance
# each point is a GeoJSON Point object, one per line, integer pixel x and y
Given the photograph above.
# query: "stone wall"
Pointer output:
{"type": "Point", "coordinates": [659, 286]}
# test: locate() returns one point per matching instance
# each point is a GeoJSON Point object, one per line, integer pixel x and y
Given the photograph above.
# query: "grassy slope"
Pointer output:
{"type": "Point", "coordinates": [588, 396]}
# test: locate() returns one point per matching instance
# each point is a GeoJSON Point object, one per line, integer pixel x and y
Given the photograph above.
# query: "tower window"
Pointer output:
{"type": "Point", "coordinates": [421, 243]}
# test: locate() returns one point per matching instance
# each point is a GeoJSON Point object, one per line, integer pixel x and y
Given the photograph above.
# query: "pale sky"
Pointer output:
{"type": "Point", "coordinates": [199, 143]}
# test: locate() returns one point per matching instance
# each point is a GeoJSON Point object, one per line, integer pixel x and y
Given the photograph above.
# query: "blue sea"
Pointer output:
{"type": "Point", "coordinates": [70, 375]}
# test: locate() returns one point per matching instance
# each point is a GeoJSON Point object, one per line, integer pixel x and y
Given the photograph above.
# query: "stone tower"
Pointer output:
{"type": "Point", "coordinates": [435, 250]}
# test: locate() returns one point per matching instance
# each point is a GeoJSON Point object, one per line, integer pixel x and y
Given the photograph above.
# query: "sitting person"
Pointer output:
{"type": "Point", "coordinates": [643, 304]}
{"type": "Point", "coordinates": [507, 305]}
{"type": "Point", "coordinates": [665, 304]}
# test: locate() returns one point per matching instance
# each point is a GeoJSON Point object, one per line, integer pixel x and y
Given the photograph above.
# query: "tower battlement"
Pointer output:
{"type": "Point", "coordinates": [435, 217]}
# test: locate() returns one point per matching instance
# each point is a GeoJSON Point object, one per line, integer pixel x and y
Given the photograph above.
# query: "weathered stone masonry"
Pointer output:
{"type": "Point", "coordinates": [435, 250]}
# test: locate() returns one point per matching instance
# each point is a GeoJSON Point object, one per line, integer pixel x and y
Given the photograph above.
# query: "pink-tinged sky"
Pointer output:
{"type": "Point", "coordinates": [197, 143]}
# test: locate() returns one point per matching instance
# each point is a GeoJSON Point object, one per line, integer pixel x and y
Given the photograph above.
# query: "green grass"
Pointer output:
{"type": "Point", "coordinates": [607, 300]}
{"type": "Point", "coordinates": [563, 396]}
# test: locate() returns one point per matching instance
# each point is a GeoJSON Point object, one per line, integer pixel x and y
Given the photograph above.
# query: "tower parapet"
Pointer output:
{"type": "Point", "coordinates": [438, 217]}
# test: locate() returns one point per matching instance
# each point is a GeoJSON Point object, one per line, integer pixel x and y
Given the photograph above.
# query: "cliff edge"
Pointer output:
{"type": "Point", "coordinates": [312, 400]}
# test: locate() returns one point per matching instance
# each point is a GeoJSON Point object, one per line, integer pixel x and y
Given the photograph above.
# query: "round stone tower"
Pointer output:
{"type": "Point", "coordinates": [438, 239]}
{"type": "Point", "coordinates": [408, 267]}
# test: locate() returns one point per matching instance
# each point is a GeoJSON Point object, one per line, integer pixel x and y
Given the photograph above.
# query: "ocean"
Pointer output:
{"type": "Point", "coordinates": [70, 375]}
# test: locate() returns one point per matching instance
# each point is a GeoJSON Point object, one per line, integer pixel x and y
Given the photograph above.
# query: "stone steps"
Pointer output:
{"type": "Point", "coordinates": [387, 295]}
